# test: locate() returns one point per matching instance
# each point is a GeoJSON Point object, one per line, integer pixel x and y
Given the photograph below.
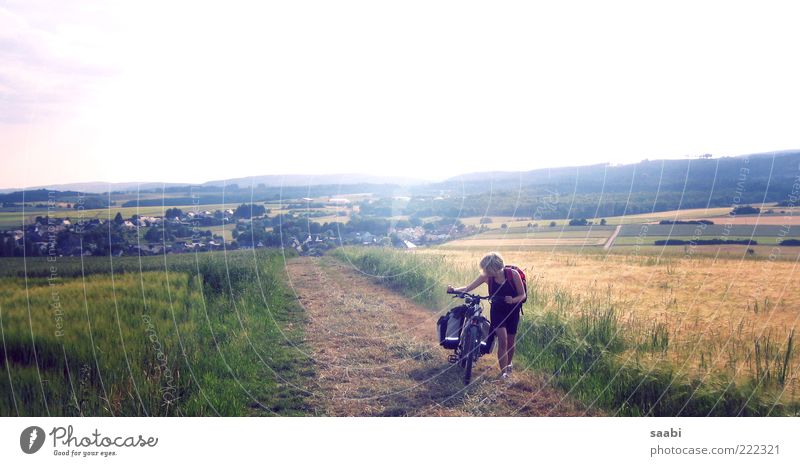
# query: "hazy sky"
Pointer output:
{"type": "Point", "coordinates": [191, 91]}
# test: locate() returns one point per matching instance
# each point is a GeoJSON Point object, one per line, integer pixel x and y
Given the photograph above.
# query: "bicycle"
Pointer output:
{"type": "Point", "coordinates": [471, 345]}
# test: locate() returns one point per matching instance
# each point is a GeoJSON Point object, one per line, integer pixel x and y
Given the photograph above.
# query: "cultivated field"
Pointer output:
{"type": "Point", "coordinates": [533, 238]}
{"type": "Point", "coordinates": [14, 218]}
{"type": "Point", "coordinates": [772, 219]}
{"type": "Point", "coordinates": [719, 215]}
{"type": "Point", "coordinates": [639, 237]}
{"type": "Point", "coordinates": [505, 243]}
{"type": "Point", "coordinates": [639, 334]}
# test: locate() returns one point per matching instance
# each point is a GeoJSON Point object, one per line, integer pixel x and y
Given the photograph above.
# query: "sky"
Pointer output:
{"type": "Point", "coordinates": [111, 90]}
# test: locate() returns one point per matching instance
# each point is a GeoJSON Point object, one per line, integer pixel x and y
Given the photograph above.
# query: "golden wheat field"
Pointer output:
{"type": "Point", "coordinates": [719, 316]}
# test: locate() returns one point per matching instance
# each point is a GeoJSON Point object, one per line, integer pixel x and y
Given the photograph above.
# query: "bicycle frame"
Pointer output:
{"type": "Point", "coordinates": [468, 352]}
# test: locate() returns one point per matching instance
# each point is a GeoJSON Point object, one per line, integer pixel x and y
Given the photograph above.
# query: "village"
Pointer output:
{"type": "Point", "coordinates": [249, 226]}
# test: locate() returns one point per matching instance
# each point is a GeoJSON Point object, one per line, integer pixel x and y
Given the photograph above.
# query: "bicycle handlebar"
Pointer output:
{"type": "Point", "coordinates": [462, 294]}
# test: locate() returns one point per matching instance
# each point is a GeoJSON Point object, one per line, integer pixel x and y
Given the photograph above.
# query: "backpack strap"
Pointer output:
{"type": "Point", "coordinates": [510, 277]}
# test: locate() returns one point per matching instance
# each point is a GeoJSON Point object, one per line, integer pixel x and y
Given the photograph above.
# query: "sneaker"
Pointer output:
{"type": "Point", "coordinates": [504, 376]}
{"type": "Point", "coordinates": [509, 369]}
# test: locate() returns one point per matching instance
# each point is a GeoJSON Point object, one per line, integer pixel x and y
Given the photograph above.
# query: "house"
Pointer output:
{"type": "Point", "coordinates": [411, 234]}
{"type": "Point", "coordinates": [433, 238]}
{"type": "Point", "coordinates": [296, 245]}
{"type": "Point", "coordinates": [147, 250]}
{"type": "Point", "coordinates": [351, 238]}
{"type": "Point", "coordinates": [128, 224]}
{"type": "Point", "coordinates": [338, 201]}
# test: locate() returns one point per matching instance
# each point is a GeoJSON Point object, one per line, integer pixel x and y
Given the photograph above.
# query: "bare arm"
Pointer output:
{"type": "Point", "coordinates": [466, 289]}
{"type": "Point", "coordinates": [519, 287]}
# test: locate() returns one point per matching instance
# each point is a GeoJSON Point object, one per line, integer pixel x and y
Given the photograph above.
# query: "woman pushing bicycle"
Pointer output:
{"type": "Point", "coordinates": [507, 291]}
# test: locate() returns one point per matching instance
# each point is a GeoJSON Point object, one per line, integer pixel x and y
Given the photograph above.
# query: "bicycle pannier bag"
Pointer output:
{"type": "Point", "coordinates": [449, 327]}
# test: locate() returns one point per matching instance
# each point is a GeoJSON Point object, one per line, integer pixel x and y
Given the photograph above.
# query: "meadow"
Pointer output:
{"type": "Point", "coordinates": [178, 335]}
{"type": "Point", "coordinates": [537, 237]}
{"type": "Point", "coordinates": [720, 215]}
{"type": "Point", "coordinates": [15, 217]}
{"type": "Point", "coordinates": [636, 334]}
{"type": "Point", "coordinates": [640, 238]}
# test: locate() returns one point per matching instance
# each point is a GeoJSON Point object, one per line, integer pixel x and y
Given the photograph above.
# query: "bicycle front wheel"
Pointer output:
{"type": "Point", "coordinates": [472, 345]}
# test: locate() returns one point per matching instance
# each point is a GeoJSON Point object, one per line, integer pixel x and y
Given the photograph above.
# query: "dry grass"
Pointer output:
{"type": "Point", "coordinates": [715, 312]}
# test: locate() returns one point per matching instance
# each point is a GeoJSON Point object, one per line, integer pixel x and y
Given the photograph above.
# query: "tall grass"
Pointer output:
{"type": "Point", "coordinates": [419, 276]}
{"type": "Point", "coordinates": [210, 334]}
{"type": "Point", "coordinates": [595, 351]}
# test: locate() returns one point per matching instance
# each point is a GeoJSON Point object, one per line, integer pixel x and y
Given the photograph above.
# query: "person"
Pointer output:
{"type": "Point", "coordinates": [507, 293]}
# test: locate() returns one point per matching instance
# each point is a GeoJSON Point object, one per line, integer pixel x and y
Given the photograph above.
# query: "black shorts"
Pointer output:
{"type": "Point", "coordinates": [507, 318]}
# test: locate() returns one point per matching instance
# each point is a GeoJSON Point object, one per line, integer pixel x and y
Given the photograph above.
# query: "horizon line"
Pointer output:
{"type": "Point", "coordinates": [415, 180]}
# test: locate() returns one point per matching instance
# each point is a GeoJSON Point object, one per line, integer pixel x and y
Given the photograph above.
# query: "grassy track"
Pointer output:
{"type": "Point", "coordinates": [378, 355]}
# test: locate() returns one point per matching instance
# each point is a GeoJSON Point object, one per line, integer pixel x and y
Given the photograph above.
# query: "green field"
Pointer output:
{"type": "Point", "coordinates": [523, 238]}
{"type": "Point", "coordinates": [511, 222]}
{"type": "Point", "coordinates": [12, 219]}
{"type": "Point", "coordinates": [649, 240]}
{"type": "Point", "coordinates": [194, 336]}
{"type": "Point", "coordinates": [556, 232]}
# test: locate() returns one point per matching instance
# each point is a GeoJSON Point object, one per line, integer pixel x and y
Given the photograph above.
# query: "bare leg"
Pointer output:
{"type": "Point", "coordinates": [510, 344]}
{"type": "Point", "coordinates": [502, 347]}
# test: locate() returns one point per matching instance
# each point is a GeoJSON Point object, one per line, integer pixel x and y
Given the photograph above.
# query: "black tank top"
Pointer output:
{"type": "Point", "coordinates": [499, 292]}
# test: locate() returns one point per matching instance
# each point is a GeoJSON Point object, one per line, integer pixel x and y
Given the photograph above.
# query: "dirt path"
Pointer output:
{"type": "Point", "coordinates": [612, 238]}
{"type": "Point", "coordinates": [376, 355]}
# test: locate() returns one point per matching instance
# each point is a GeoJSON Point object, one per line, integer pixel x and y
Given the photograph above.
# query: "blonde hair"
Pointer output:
{"type": "Point", "coordinates": [492, 262]}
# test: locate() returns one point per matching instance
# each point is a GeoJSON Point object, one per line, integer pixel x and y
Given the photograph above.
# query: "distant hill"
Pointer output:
{"type": "Point", "coordinates": [44, 196]}
{"type": "Point", "coordinates": [609, 190]}
{"type": "Point", "coordinates": [563, 192]}
{"type": "Point", "coordinates": [313, 180]}
{"type": "Point", "coordinates": [99, 187]}
{"type": "Point", "coordinates": [778, 167]}
{"type": "Point", "coordinates": [36, 195]}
